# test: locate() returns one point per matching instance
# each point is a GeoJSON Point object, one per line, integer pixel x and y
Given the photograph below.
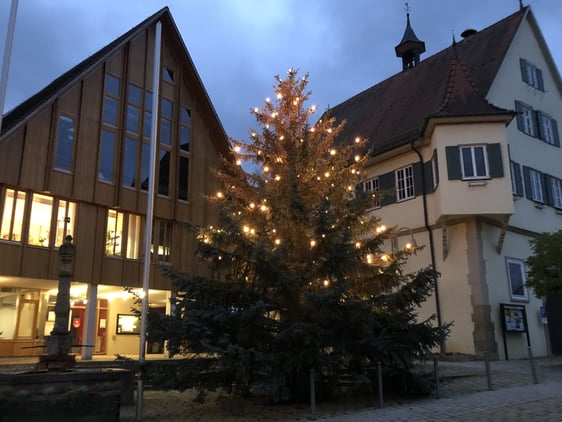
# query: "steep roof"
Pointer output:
{"type": "Point", "coordinates": [454, 81]}
{"type": "Point", "coordinates": [56, 87]}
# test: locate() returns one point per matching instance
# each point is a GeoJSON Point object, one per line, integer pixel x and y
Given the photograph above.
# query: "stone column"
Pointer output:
{"type": "Point", "coordinates": [90, 326]}
{"type": "Point", "coordinates": [60, 342]}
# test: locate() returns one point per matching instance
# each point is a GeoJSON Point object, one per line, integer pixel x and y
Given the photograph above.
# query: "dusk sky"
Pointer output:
{"type": "Point", "coordinates": [238, 46]}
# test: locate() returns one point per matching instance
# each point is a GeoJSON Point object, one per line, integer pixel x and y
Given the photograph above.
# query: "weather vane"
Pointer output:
{"type": "Point", "coordinates": [406, 7]}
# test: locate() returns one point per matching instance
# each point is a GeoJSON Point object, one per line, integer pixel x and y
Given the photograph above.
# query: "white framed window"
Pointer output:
{"type": "Point", "coordinates": [517, 279]}
{"type": "Point", "coordinates": [536, 185]}
{"type": "Point", "coordinates": [405, 184]}
{"type": "Point", "coordinates": [373, 185]}
{"type": "Point", "coordinates": [548, 128]}
{"type": "Point", "coordinates": [528, 120]}
{"type": "Point", "coordinates": [556, 192]}
{"type": "Point", "coordinates": [474, 162]}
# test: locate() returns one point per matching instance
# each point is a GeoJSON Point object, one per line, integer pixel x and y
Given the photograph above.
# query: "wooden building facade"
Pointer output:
{"type": "Point", "coordinates": [74, 160]}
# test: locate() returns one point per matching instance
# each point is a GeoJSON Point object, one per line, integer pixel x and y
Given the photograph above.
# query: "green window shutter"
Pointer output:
{"type": "Point", "coordinates": [495, 160]}
{"type": "Point", "coordinates": [527, 180]}
{"type": "Point", "coordinates": [417, 169]}
{"type": "Point", "coordinates": [428, 174]}
{"type": "Point", "coordinates": [453, 163]}
{"type": "Point", "coordinates": [540, 80]}
{"type": "Point", "coordinates": [555, 132]}
{"type": "Point", "coordinates": [387, 188]}
{"type": "Point", "coordinates": [547, 189]}
{"type": "Point", "coordinates": [523, 65]}
{"type": "Point", "coordinates": [519, 117]}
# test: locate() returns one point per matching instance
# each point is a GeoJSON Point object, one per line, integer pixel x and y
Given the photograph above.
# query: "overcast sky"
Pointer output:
{"type": "Point", "coordinates": [238, 46]}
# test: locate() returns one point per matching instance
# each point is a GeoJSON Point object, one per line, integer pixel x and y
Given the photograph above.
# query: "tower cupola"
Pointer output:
{"type": "Point", "coordinates": [410, 47]}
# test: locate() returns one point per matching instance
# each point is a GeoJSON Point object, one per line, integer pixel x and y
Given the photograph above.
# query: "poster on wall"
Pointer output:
{"type": "Point", "coordinates": [514, 318]}
{"type": "Point", "coordinates": [128, 324]}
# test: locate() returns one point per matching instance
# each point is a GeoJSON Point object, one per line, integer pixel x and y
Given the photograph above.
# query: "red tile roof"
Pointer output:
{"type": "Point", "coordinates": [453, 82]}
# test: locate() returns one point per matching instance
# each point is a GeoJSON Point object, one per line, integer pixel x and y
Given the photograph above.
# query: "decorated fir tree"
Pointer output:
{"type": "Point", "coordinates": [300, 279]}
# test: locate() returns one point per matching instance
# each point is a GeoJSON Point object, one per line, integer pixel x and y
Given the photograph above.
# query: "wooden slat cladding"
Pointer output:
{"type": "Point", "coordinates": [36, 142]}
{"type": "Point", "coordinates": [12, 156]}
{"type": "Point", "coordinates": [137, 60]}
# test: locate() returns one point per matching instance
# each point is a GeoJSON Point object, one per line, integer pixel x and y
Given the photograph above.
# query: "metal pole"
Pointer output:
{"type": "Point", "coordinates": [7, 56]}
{"type": "Point", "coordinates": [488, 373]}
{"type": "Point", "coordinates": [533, 368]}
{"type": "Point", "coordinates": [436, 373]}
{"type": "Point", "coordinates": [149, 211]}
{"type": "Point", "coordinates": [313, 392]}
{"type": "Point", "coordinates": [379, 384]}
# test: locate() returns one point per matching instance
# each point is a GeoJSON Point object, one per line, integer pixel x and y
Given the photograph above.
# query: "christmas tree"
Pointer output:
{"type": "Point", "coordinates": [300, 279]}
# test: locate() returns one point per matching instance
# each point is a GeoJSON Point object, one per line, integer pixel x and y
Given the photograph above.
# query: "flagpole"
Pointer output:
{"type": "Point", "coordinates": [149, 212]}
{"type": "Point", "coordinates": [7, 56]}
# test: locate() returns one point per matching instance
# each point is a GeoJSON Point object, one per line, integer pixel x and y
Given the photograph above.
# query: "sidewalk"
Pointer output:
{"type": "Point", "coordinates": [465, 396]}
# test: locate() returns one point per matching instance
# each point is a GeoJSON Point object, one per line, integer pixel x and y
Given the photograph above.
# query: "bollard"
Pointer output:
{"type": "Point", "coordinates": [533, 369]}
{"type": "Point", "coordinates": [488, 373]}
{"type": "Point", "coordinates": [436, 373]}
{"type": "Point", "coordinates": [379, 382]}
{"type": "Point", "coordinates": [313, 393]}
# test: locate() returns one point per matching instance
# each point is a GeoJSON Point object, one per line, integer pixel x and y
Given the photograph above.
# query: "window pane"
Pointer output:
{"type": "Point", "coordinates": [183, 178]}
{"type": "Point", "coordinates": [12, 216]}
{"type": "Point", "coordinates": [110, 111]}
{"type": "Point", "coordinates": [165, 131]}
{"type": "Point", "coordinates": [145, 166]}
{"type": "Point", "coordinates": [133, 114]}
{"type": "Point", "coordinates": [167, 107]}
{"type": "Point", "coordinates": [467, 162]}
{"type": "Point", "coordinates": [185, 116]}
{"type": "Point", "coordinates": [63, 159]}
{"type": "Point", "coordinates": [185, 133]}
{"type": "Point", "coordinates": [40, 220]}
{"type": "Point", "coordinates": [112, 85]}
{"type": "Point", "coordinates": [66, 216]}
{"type": "Point", "coordinates": [168, 75]}
{"type": "Point", "coordinates": [106, 156]}
{"type": "Point", "coordinates": [113, 237]}
{"type": "Point", "coordinates": [27, 318]}
{"type": "Point", "coordinates": [480, 161]}
{"type": "Point", "coordinates": [133, 237]}
{"type": "Point", "coordinates": [516, 278]}
{"type": "Point", "coordinates": [163, 241]}
{"type": "Point", "coordinates": [164, 173]}
{"type": "Point", "coordinates": [8, 310]}
{"type": "Point", "coordinates": [148, 100]}
{"type": "Point", "coordinates": [134, 94]}
{"type": "Point", "coordinates": [147, 127]}
{"type": "Point", "coordinates": [130, 162]}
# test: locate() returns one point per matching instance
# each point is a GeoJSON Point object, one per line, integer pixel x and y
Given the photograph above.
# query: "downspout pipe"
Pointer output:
{"type": "Point", "coordinates": [431, 242]}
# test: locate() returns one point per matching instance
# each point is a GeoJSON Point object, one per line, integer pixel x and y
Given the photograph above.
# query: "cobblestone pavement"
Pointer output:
{"type": "Point", "coordinates": [465, 396]}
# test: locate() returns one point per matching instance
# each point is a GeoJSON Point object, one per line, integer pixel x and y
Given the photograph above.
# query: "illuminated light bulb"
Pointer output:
{"type": "Point", "coordinates": [312, 129]}
{"type": "Point", "coordinates": [385, 257]}
{"type": "Point", "coordinates": [279, 160]}
{"type": "Point", "coordinates": [370, 259]}
{"type": "Point", "coordinates": [312, 243]}
{"type": "Point", "coordinates": [318, 178]}
{"type": "Point", "coordinates": [357, 140]}
{"type": "Point", "coordinates": [238, 162]}
{"type": "Point", "coordinates": [274, 230]}
{"type": "Point", "coordinates": [350, 188]}
{"type": "Point", "coordinates": [302, 140]}
{"type": "Point", "coordinates": [358, 245]}
{"type": "Point", "coordinates": [332, 152]}
{"type": "Point", "coordinates": [353, 171]}
{"type": "Point", "coordinates": [254, 134]}
{"type": "Point", "coordinates": [279, 95]}
{"type": "Point", "coordinates": [237, 148]}
{"type": "Point", "coordinates": [256, 110]}
{"type": "Point", "coordinates": [252, 231]}
{"type": "Point", "coordinates": [329, 130]}
{"type": "Point", "coordinates": [323, 236]}
{"type": "Point", "coordinates": [295, 102]}
{"type": "Point", "coordinates": [313, 108]}
{"type": "Point", "coordinates": [408, 245]}
{"type": "Point", "coordinates": [381, 229]}
{"type": "Point", "coordinates": [327, 174]}
{"type": "Point", "coordinates": [357, 158]}
{"type": "Point", "coordinates": [263, 208]}
{"type": "Point", "coordinates": [220, 258]}
{"type": "Point", "coordinates": [266, 169]}
{"type": "Point", "coordinates": [252, 205]}
{"type": "Point", "coordinates": [259, 152]}
{"type": "Point", "coordinates": [281, 137]}
{"type": "Point", "coordinates": [326, 283]}
{"type": "Point", "coordinates": [277, 241]}
{"type": "Point", "coordinates": [267, 100]}
{"type": "Point", "coordinates": [277, 178]}
{"type": "Point", "coordinates": [219, 195]}
{"type": "Point", "coordinates": [246, 229]}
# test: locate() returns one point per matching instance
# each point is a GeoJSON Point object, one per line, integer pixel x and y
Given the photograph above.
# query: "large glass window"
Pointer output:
{"type": "Point", "coordinates": [40, 220]}
{"type": "Point", "coordinates": [66, 216]}
{"type": "Point", "coordinates": [107, 149]}
{"type": "Point", "coordinates": [548, 129]}
{"type": "Point", "coordinates": [12, 215]}
{"type": "Point", "coordinates": [185, 128]}
{"type": "Point", "coordinates": [473, 162]}
{"type": "Point", "coordinates": [531, 75]}
{"type": "Point", "coordinates": [405, 183]}
{"type": "Point", "coordinates": [114, 233]}
{"type": "Point", "coordinates": [130, 162]}
{"type": "Point", "coordinates": [536, 185]}
{"type": "Point", "coordinates": [65, 140]}
{"type": "Point", "coordinates": [162, 236]}
{"type": "Point", "coordinates": [517, 279]}
{"type": "Point", "coordinates": [164, 172]}
{"type": "Point", "coordinates": [133, 236]}
{"type": "Point", "coordinates": [183, 179]}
